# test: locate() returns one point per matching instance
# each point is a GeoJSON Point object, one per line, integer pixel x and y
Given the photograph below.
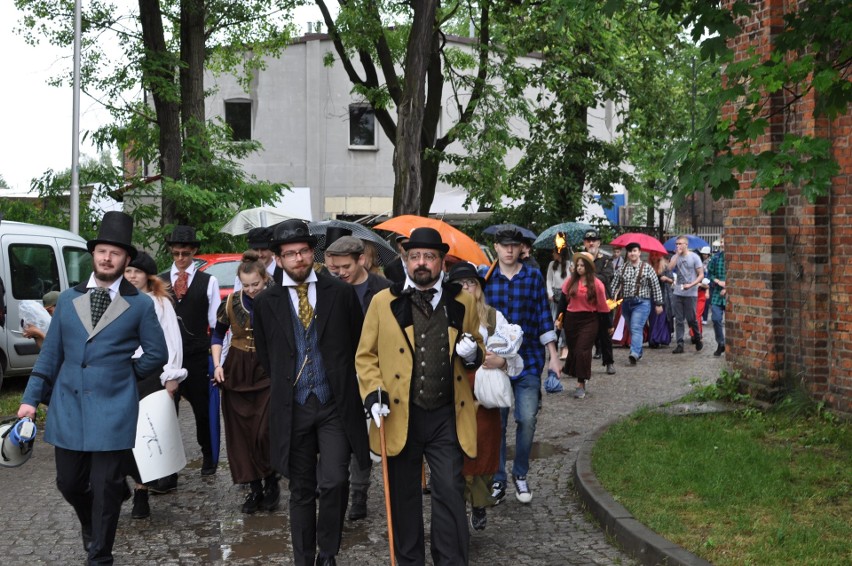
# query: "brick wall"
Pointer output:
{"type": "Point", "coordinates": [789, 317]}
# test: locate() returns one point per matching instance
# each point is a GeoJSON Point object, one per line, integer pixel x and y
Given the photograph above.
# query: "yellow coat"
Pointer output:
{"type": "Point", "coordinates": [385, 359]}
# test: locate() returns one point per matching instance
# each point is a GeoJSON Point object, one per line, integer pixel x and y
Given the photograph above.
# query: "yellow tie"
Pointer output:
{"type": "Point", "coordinates": [306, 311]}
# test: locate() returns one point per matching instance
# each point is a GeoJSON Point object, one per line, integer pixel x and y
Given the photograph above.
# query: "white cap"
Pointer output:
{"type": "Point", "coordinates": [704, 250]}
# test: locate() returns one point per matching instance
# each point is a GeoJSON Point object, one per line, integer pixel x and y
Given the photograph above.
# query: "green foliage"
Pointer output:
{"type": "Point", "coordinates": [726, 388]}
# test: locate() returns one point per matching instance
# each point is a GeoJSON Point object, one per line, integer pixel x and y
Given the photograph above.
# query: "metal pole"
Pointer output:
{"type": "Point", "coordinates": [75, 127]}
{"type": "Point", "coordinates": [692, 118]}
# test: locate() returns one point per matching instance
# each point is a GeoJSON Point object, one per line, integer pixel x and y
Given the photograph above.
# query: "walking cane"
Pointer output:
{"type": "Point", "coordinates": [490, 270]}
{"type": "Point", "coordinates": [385, 480]}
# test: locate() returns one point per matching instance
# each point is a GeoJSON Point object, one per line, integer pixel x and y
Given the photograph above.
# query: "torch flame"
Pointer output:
{"type": "Point", "coordinates": [559, 241]}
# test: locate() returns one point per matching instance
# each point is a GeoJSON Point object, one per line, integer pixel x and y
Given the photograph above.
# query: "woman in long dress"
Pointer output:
{"type": "Point", "coordinates": [142, 274]}
{"type": "Point", "coordinates": [245, 389]}
{"type": "Point", "coordinates": [558, 272]}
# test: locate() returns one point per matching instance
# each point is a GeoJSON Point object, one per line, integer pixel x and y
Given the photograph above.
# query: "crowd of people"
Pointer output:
{"type": "Point", "coordinates": [320, 364]}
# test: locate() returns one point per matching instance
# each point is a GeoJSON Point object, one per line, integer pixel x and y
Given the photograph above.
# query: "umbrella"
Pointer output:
{"type": "Point", "coordinates": [213, 412]}
{"type": "Point", "coordinates": [648, 243]}
{"type": "Point", "coordinates": [245, 220]}
{"type": "Point", "coordinates": [573, 233]}
{"type": "Point", "coordinates": [385, 252]}
{"type": "Point", "coordinates": [552, 383]}
{"type": "Point", "coordinates": [461, 245]}
{"type": "Point", "coordinates": [695, 243]}
{"type": "Point", "coordinates": [525, 232]}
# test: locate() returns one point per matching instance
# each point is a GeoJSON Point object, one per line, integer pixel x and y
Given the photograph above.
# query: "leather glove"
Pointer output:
{"type": "Point", "coordinates": [466, 348]}
{"type": "Point", "coordinates": [379, 410]}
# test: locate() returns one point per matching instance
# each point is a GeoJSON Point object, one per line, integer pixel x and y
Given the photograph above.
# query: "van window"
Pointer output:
{"type": "Point", "coordinates": [78, 264]}
{"type": "Point", "coordinates": [34, 271]}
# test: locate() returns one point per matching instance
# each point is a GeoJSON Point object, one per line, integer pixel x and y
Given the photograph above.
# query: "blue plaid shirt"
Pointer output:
{"type": "Point", "coordinates": [523, 301]}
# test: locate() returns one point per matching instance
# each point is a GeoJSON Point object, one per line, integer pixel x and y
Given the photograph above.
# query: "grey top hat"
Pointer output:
{"type": "Point", "coordinates": [258, 238]}
{"type": "Point", "coordinates": [145, 263]}
{"type": "Point", "coordinates": [345, 245]}
{"type": "Point", "coordinates": [183, 235]}
{"type": "Point", "coordinates": [292, 231]}
{"type": "Point", "coordinates": [116, 229]}
{"type": "Point", "coordinates": [428, 238]}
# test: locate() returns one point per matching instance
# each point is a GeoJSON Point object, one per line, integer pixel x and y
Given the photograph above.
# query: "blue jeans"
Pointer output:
{"type": "Point", "coordinates": [527, 391]}
{"type": "Point", "coordinates": [636, 312]}
{"type": "Point", "coordinates": [718, 313]}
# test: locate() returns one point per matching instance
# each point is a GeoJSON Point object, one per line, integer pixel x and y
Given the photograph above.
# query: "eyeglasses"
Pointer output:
{"type": "Point", "coordinates": [426, 256]}
{"type": "Point", "coordinates": [291, 255]}
{"type": "Point", "coordinates": [181, 254]}
{"type": "Point", "coordinates": [468, 282]}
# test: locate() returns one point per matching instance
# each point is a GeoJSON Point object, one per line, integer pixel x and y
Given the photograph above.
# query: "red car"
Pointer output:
{"type": "Point", "coordinates": [221, 266]}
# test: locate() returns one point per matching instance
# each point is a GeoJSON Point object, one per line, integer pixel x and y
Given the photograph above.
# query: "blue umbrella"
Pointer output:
{"type": "Point", "coordinates": [213, 408]}
{"type": "Point", "coordinates": [525, 232]}
{"type": "Point", "coordinates": [573, 233]}
{"type": "Point", "coordinates": [695, 243]}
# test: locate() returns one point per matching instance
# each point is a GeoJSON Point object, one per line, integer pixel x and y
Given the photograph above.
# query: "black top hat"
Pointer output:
{"type": "Point", "coordinates": [591, 235]}
{"type": "Point", "coordinates": [116, 229]}
{"type": "Point", "coordinates": [509, 236]}
{"type": "Point", "coordinates": [428, 238]}
{"type": "Point", "coordinates": [183, 235]}
{"type": "Point", "coordinates": [292, 231]}
{"type": "Point", "coordinates": [258, 238]}
{"type": "Point", "coordinates": [145, 263]}
{"type": "Point", "coordinates": [465, 270]}
{"type": "Point", "coordinates": [334, 233]}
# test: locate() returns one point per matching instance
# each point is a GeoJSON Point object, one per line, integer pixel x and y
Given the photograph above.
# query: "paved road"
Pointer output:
{"type": "Point", "coordinates": [201, 522]}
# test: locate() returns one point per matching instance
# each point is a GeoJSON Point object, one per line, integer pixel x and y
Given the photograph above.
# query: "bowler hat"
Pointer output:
{"type": "Point", "coordinates": [591, 235]}
{"type": "Point", "coordinates": [258, 238]}
{"type": "Point", "coordinates": [145, 263]}
{"type": "Point", "coordinates": [509, 236]}
{"type": "Point", "coordinates": [345, 245]}
{"type": "Point", "coordinates": [465, 270]}
{"type": "Point", "coordinates": [116, 229]}
{"type": "Point", "coordinates": [590, 259]}
{"type": "Point", "coordinates": [427, 238]}
{"type": "Point", "coordinates": [334, 233]}
{"type": "Point", "coordinates": [292, 231]}
{"type": "Point", "coordinates": [183, 235]}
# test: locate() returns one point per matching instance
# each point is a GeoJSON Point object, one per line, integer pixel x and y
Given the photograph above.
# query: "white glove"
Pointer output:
{"type": "Point", "coordinates": [378, 411]}
{"type": "Point", "coordinates": [466, 348]}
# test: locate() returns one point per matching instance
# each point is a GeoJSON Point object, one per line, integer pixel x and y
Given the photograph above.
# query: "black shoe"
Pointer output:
{"type": "Point", "coordinates": [208, 468]}
{"type": "Point", "coordinates": [699, 344]}
{"type": "Point", "coordinates": [610, 370]}
{"type": "Point", "coordinates": [478, 518]}
{"type": "Point", "coordinates": [678, 349]}
{"type": "Point", "coordinates": [271, 495]}
{"type": "Point", "coordinates": [252, 502]}
{"type": "Point", "coordinates": [141, 509]}
{"type": "Point", "coordinates": [597, 355]}
{"type": "Point", "coordinates": [633, 359]}
{"type": "Point", "coordinates": [164, 485]}
{"type": "Point", "coordinates": [326, 561]}
{"type": "Point", "coordinates": [127, 494]}
{"type": "Point", "coordinates": [358, 507]}
{"type": "Point", "coordinates": [87, 537]}
{"type": "Point", "coordinates": [719, 351]}
{"type": "Point", "coordinates": [498, 492]}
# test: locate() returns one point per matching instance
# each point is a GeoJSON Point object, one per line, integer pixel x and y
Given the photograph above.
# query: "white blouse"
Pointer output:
{"type": "Point", "coordinates": [172, 370]}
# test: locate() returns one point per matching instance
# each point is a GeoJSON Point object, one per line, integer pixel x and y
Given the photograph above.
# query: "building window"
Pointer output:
{"type": "Point", "coordinates": [362, 127]}
{"type": "Point", "coordinates": [238, 118]}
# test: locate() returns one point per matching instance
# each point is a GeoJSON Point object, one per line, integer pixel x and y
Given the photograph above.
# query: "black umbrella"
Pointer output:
{"type": "Point", "coordinates": [525, 232]}
{"type": "Point", "coordinates": [385, 252]}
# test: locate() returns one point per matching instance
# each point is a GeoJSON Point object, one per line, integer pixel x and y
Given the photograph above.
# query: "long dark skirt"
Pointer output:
{"type": "Point", "coordinates": [581, 329]}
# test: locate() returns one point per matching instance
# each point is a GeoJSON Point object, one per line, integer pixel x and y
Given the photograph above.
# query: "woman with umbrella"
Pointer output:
{"type": "Point", "coordinates": [585, 307]}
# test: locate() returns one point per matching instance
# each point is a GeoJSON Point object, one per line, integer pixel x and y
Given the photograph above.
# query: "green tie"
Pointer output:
{"type": "Point", "coordinates": [306, 311]}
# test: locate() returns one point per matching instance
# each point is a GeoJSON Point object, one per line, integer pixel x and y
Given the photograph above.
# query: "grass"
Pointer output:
{"type": "Point", "coordinates": [10, 398]}
{"type": "Point", "coordinates": [736, 488]}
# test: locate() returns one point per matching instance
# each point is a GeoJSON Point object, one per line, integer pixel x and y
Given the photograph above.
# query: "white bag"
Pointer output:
{"type": "Point", "coordinates": [32, 312]}
{"type": "Point", "coordinates": [492, 387]}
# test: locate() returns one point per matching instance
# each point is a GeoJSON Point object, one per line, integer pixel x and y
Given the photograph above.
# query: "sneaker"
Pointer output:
{"type": "Point", "coordinates": [141, 508]}
{"type": "Point", "coordinates": [252, 502]}
{"type": "Point", "coordinates": [478, 518]}
{"type": "Point", "coordinates": [678, 349]}
{"type": "Point", "coordinates": [699, 344]}
{"type": "Point", "coordinates": [498, 492]}
{"type": "Point", "coordinates": [522, 489]}
{"type": "Point", "coordinates": [633, 359]}
{"type": "Point", "coordinates": [610, 370]}
{"type": "Point", "coordinates": [719, 351]}
{"type": "Point", "coordinates": [580, 393]}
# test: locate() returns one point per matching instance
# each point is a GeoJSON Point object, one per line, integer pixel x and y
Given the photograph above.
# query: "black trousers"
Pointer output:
{"type": "Point", "coordinates": [93, 483]}
{"type": "Point", "coordinates": [196, 389]}
{"type": "Point", "coordinates": [431, 434]}
{"type": "Point", "coordinates": [317, 431]}
{"type": "Point", "coordinates": [604, 344]}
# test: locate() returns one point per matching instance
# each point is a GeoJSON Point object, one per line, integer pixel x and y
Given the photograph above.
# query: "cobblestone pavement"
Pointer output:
{"type": "Point", "coordinates": [201, 522]}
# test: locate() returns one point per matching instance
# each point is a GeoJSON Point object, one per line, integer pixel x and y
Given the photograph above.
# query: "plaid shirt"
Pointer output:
{"type": "Point", "coordinates": [649, 285]}
{"type": "Point", "coordinates": [716, 270]}
{"type": "Point", "coordinates": [523, 301]}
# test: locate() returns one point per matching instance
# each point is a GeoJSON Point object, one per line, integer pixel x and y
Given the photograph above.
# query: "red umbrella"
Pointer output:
{"type": "Point", "coordinates": [648, 243]}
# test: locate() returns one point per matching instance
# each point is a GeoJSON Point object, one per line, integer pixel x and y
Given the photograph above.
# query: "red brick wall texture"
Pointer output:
{"type": "Point", "coordinates": [789, 316]}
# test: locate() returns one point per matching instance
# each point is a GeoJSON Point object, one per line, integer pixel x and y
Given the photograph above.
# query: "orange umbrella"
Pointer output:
{"type": "Point", "coordinates": [461, 245]}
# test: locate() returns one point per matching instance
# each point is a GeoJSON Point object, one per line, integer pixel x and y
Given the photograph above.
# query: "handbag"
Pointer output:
{"type": "Point", "coordinates": [492, 387]}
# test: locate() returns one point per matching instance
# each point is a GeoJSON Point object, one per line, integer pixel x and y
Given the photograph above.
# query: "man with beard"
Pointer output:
{"type": "Point", "coordinates": [419, 339]}
{"type": "Point", "coordinates": [306, 332]}
{"type": "Point", "coordinates": [87, 360]}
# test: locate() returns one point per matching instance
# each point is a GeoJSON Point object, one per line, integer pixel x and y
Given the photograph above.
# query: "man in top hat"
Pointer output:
{"type": "Point", "coordinates": [258, 240]}
{"type": "Point", "coordinates": [87, 360]}
{"type": "Point", "coordinates": [345, 259]}
{"type": "Point", "coordinates": [196, 298]}
{"type": "Point", "coordinates": [518, 291]}
{"type": "Point", "coordinates": [419, 339]}
{"type": "Point", "coordinates": [306, 332]}
{"type": "Point", "coordinates": [604, 271]}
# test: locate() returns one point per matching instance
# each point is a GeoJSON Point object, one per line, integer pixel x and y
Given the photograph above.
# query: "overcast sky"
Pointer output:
{"type": "Point", "coordinates": [37, 135]}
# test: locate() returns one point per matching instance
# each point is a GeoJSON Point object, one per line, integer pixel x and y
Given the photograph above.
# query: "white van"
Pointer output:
{"type": "Point", "coordinates": [33, 261]}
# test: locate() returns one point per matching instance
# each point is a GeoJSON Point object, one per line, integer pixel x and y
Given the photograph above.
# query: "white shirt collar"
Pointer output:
{"type": "Point", "coordinates": [438, 286]}
{"type": "Point", "coordinates": [113, 288]}
{"type": "Point", "coordinates": [287, 281]}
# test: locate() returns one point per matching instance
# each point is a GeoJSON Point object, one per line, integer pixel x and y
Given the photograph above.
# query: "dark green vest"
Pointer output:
{"type": "Point", "coordinates": [432, 376]}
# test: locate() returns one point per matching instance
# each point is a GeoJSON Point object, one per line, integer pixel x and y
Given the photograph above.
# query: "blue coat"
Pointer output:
{"type": "Point", "coordinates": [94, 404]}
